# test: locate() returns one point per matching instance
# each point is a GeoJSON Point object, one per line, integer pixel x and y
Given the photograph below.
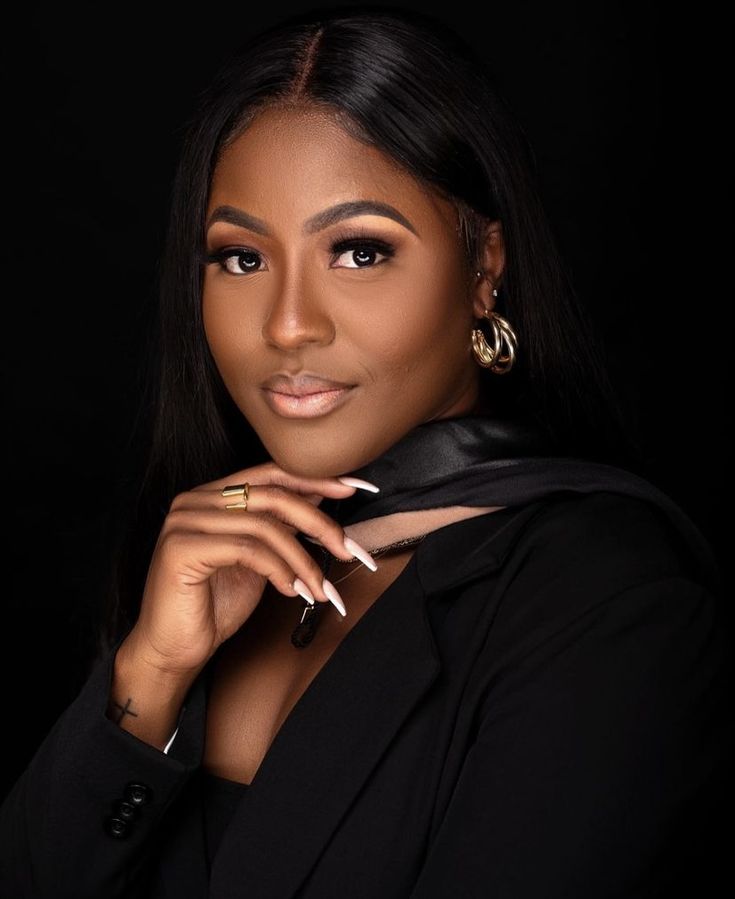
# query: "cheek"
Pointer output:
{"type": "Point", "coordinates": [226, 330]}
{"type": "Point", "coordinates": [422, 329]}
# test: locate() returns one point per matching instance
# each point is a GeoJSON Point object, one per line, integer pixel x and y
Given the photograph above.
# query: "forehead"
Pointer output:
{"type": "Point", "coordinates": [299, 161]}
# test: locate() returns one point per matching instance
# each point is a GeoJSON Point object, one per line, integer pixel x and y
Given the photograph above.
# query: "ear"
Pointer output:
{"type": "Point", "coordinates": [492, 264]}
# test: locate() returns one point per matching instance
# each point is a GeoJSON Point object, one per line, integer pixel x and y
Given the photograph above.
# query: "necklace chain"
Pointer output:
{"type": "Point", "coordinates": [381, 550]}
{"type": "Point", "coordinates": [304, 631]}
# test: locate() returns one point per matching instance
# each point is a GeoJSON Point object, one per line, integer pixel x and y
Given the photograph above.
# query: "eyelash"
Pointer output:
{"type": "Point", "coordinates": [342, 244]}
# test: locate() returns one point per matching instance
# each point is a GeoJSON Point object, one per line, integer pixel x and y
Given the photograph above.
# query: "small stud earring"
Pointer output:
{"type": "Point", "coordinates": [495, 290]}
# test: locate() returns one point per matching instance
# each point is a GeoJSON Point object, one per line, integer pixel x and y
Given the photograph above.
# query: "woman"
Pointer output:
{"type": "Point", "coordinates": [438, 639]}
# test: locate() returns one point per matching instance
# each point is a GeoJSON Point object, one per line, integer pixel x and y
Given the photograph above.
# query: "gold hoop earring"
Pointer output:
{"type": "Point", "coordinates": [499, 357]}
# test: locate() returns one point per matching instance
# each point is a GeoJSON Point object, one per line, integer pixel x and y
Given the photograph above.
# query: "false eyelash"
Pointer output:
{"type": "Point", "coordinates": [207, 258]}
{"type": "Point", "coordinates": [342, 244]}
{"type": "Point", "coordinates": [346, 242]}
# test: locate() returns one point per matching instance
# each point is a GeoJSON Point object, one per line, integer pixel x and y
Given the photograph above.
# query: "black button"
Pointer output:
{"type": "Point", "coordinates": [117, 828]}
{"type": "Point", "coordinates": [126, 810]}
{"type": "Point", "coordinates": [138, 794]}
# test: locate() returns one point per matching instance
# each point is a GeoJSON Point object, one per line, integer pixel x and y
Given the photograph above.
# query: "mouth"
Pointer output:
{"type": "Point", "coordinates": [304, 396]}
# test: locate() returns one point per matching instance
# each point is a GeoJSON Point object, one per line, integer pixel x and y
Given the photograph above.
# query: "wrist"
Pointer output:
{"type": "Point", "coordinates": [145, 699]}
{"type": "Point", "coordinates": [136, 654]}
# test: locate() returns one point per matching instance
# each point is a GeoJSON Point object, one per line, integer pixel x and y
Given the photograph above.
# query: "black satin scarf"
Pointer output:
{"type": "Point", "coordinates": [480, 461]}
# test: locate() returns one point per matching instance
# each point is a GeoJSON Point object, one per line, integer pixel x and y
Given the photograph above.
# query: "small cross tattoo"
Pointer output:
{"type": "Point", "coordinates": [124, 710]}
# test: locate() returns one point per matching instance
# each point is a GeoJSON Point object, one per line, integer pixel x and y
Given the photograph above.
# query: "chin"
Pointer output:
{"type": "Point", "coordinates": [301, 459]}
{"type": "Point", "coordinates": [308, 467]}
{"type": "Point", "coordinates": [322, 457]}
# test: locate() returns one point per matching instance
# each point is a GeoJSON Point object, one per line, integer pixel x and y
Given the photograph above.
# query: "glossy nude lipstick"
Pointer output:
{"type": "Point", "coordinates": [305, 395]}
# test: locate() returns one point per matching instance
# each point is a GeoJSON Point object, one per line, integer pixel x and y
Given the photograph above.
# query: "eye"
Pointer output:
{"type": "Point", "coordinates": [235, 260]}
{"type": "Point", "coordinates": [361, 252]}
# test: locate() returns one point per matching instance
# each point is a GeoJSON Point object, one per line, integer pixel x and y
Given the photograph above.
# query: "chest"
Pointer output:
{"type": "Point", "coordinates": [259, 676]}
{"type": "Point", "coordinates": [363, 768]}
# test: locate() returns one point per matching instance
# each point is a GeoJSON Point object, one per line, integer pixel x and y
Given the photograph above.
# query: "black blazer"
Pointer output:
{"type": "Point", "coordinates": [538, 707]}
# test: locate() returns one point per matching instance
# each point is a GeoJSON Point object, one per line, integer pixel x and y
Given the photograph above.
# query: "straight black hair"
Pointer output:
{"type": "Point", "coordinates": [407, 84]}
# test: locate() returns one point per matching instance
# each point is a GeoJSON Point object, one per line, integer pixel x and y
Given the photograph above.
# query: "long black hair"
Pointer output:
{"type": "Point", "coordinates": [410, 86]}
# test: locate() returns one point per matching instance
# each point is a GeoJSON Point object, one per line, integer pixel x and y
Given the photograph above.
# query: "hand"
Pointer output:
{"type": "Point", "coordinates": [210, 565]}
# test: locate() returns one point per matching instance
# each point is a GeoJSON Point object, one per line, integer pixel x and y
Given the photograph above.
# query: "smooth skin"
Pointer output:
{"type": "Point", "coordinates": [394, 325]}
{"type": "Point", "coordinates": [398, 328]}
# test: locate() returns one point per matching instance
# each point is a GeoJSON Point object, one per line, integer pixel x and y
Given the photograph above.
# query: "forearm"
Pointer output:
{"type": "Point", "coordinates": [56, 838]}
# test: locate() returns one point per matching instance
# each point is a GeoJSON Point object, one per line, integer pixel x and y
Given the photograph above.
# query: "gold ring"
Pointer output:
{"type": "Point", "coordinates": [242, 490]}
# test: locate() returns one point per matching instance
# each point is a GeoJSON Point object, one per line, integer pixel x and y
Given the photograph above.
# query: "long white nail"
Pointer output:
{"type": "Point", "coordinates": [334, 597]}
{"type": "Point", "coordinates": [361, 485]}
{"type": "Point", "coordinates": [303, 591]}
{"type": "Point", "coordinates": [362, 554]}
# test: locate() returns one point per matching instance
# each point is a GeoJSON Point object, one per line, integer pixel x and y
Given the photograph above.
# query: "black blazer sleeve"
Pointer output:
{"type": "Point", "coordinates": [82, 818]}
{"type": "Point", "coordinates": [600, 758]}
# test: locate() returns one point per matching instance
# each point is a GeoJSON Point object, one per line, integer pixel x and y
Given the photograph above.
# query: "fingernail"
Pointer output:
{"type": "Point", "coordinates": [334, 597]}
{"type": "Point", "coordinates": [361, 485]}
{"type": "Point", "coordinates": [362, 554]}
{"type": "Point", "coordinates": [303, 591]}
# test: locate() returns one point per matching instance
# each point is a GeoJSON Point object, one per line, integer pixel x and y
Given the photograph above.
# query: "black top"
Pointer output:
{"type": "Point", "coordinates": [220, 798]}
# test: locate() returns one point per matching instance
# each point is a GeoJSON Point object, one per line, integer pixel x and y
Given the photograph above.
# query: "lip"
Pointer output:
{"type": "Point", "coordinates": [305, 395]}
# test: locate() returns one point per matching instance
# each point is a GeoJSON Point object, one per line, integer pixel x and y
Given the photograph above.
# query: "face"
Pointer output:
{"type": "Point", "coordinates": [338, 303]}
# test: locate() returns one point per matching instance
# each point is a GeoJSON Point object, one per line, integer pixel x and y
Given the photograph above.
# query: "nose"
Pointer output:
{"type": "Point", "coordinates": [297, 316]}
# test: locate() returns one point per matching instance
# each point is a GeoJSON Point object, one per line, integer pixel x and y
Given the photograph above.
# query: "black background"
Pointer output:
{"type": "Point", "coordinates": [626, 108]}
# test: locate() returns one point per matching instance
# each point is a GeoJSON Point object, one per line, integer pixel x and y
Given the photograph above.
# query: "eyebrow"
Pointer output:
{"type": "Point", "coordinates": [318, 222]}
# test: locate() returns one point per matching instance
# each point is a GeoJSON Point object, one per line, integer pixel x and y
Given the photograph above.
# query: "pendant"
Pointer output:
{"type": "Point", "coordinates": [304, 631]}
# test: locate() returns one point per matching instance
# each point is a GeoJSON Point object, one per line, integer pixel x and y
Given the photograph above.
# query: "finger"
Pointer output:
{"type": "Point", "coordinates": [204, 496]}
{"type": "Point", "coordinates": [272, 504]}
{"type": "Point", "coordinates": [198, 560]}
{"type": "Point", "coordinates": [326, 531]}
{"type": "Point", "coordinates": [271, 473]}
{"type": "Point", "coordinates": [290, 508]}
{"type": "Point", "coordinates": [272, 534]}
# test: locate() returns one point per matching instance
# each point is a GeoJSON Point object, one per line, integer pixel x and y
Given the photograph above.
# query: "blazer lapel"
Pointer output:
{"type": "Point", "coordinates": [319, 760]}
{"type": "Point", "coordinates": [338, 730]}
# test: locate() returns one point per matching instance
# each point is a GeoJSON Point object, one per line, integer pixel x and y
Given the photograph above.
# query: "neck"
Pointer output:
{"type": "Point", "coordinates": [377, 532]}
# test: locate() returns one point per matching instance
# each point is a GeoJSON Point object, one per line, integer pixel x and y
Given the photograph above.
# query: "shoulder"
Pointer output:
{"type": "Point", "coordinates": [601, 556]}
{"type": "Point", "coordinates": [622, 538]}
{"type": "Point", "coordinates": [604, 570]}
{"type": "Point", "coordinates": [571, 550]}
{"type": "Point", "coordinates": [612, 538]}
{"type": "Point", "coordinates": [609, 540]}
{"type": "Point", "coordinates": [581, 581]}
